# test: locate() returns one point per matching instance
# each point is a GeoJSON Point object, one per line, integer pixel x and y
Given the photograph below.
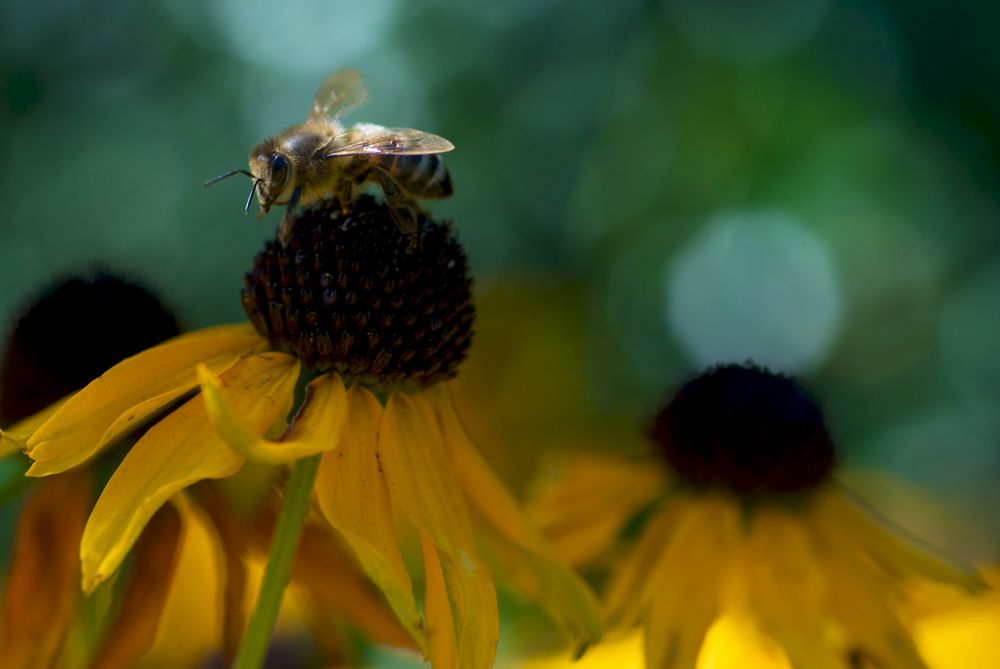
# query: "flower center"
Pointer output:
{"type": "Point", "coordinates": [748, 429]}
{"type": "Point", "coordinates": [74, 333]}
{"type": "Point", "coordinates": [349, 292]}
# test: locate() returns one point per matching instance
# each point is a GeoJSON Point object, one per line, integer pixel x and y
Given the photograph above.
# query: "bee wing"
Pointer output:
{"type": "Point", "coordinates": [376, 139]}
{"type": "Point", "coordinates": [339, 93]}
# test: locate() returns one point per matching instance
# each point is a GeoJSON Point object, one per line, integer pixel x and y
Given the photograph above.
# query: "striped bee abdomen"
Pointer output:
{"type": "Point", "coordinates": [423, 177]}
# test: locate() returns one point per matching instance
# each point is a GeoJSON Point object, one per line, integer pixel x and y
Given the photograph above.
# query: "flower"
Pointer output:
{"type": "Point", "coordinates": [744, 522]}
{"type": "Point", "coordinates": [40, 601]}
{"type": "Point", "coordinates": [383, 319]}
{"type": "Point", "coordinates": [190, 555]}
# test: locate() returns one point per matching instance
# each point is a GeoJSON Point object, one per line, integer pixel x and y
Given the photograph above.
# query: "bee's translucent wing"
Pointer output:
{"type": "Point", "coordinates": [339, 93]}
{"type": "Point", "coordinates": [375, 139]}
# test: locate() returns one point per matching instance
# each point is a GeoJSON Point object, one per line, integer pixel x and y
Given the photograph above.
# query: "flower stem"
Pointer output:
{"type": "Point", "coordinates": [253, 647]}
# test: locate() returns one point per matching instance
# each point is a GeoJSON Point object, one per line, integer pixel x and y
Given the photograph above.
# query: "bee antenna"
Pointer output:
{"type": "Point", "coordinates": [253, 189]}
{"type": "Point", "coordinates": [226, 176]}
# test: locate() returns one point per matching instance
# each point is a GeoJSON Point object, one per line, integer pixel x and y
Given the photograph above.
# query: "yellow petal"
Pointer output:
{"type": "Point", "coordinates": [900, 556]}
{"type": "Point", "coordinates": [964, 635]}
{"type": "Point", "coordinates": [235, 540]}
{"type": "Point", "coordinates": [41, 590]}
{"type": "Point", "coordinates": [149, 583]}
{"type": "Point", "coordinates": [735, 641]}
{"type": "Point", "coordinates": [15, 438]}
{"type": "Point", "coordinates": [129, 393]}
{"type": "Point", "coordinates": [627, 593]}
{"type": "Point", "coordinates": [11, 443]}
{"type": "Point", "coordinates": [335, 583]}
{"type": "Point", "coordinates": [732, 642]}
{"type": "Point", "coordinates": [354, 499]}
{"type": "Point", "coordinates": [586, 500]}
{"type": "Point", "coordinates": [316, 427]}
{"type": "Point", "coordinates": [179, 450]}
{"type": "Point", "coordinates": [191, 621]}
{"type": "Point", "coordinates": [686, 585]}
{"type": "Point", "coordinates": [421, 476]}
{"type": "Point", "coordinates": [787, 588]}
{"type": "Point", "coordinates": [461, 608]}
{"type": "Point", "coordinates": [517, 549]}
{"type": "Point", "coordinates": [860, 603]}
{"type": "Point", "coordinates": [859, 600]}
{"type": "Point", "coordinates": [673, 638]}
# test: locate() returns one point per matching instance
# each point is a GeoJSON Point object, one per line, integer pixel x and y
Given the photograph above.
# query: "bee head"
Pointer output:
{"type": "Point", "coordinates": [272, 172]}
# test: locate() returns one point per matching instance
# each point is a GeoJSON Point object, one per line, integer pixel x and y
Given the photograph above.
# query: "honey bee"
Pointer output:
{"type": "Point", "coordinates": [321, 159]}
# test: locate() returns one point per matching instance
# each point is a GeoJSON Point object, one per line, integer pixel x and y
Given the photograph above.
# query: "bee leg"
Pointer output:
{"type": "Point", "coordinates": [288, 219]}
{"type": "Point", "coordinates": [345, 198]}
{"type": "Point", "coordinates": [400, 207]}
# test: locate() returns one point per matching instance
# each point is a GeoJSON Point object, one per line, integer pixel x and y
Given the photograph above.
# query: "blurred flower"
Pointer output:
{"type": "Point", "coordinates": [743, 521]}
{"type": "Point", "coordinates": [379, 316]}
{"type": "Point", "coordinates": [41, 365]}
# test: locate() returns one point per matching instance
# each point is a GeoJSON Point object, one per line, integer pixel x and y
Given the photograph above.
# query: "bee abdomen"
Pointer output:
{"type": "Point", "coordinates": [422, 176]}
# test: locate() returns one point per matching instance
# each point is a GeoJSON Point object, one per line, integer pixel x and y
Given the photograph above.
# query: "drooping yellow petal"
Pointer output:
{"type": "Point", "coordinates": [421, 477]}
{"type": "Point", "coordinates": [15, 438]}
{"type": "Point", "coordinates": [41, 591]}
{"type": "Point", "coordinates": [787, 586]}
{"type": "Point", "coordinates": [686, 585]}
{"type": "Point", "coordinates": [440, 625]}
{"type": "Point", "coordinates": [859, 599]}
{"type": "Point", "coordinates": [836, 514]}
{"type": "Point", "coordinates": [585, 501]}
{"type": "Point", "coordinates": [517, 549]}
{"type": "Point", "coordinates": [461, 609]}
{"type": "Point", "coordinates": [129, 393]}
{"type": "Point", "coordinates": [628, 593]}
{"type": "Point", "coordinates": [149, 584]}
{"type": "Point", "coordinates": [354, 499]}
{"type": "Point", "coordinates": [316, 427]}
{"type": "Point", "coordinates": [176, 452]}
{"type": "Point", "coordinates": [324, 570]}
{"type": "Point", "coordinates": [11, 443]}
{"type": "Point", "coordinates": [234, 538]}
{"type": "Point", "coordinates": [191, 622]}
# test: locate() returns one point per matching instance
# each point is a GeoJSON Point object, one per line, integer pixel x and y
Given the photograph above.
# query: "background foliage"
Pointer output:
{"type": "Point", "coordinates": [813, 184]}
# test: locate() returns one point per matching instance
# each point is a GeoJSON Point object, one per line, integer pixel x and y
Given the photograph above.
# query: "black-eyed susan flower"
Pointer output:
{"type": "Point", "coordinates": [381, 321]}
{"type": "Point", "coordinates": [40, 600]}
{"type": "Point", "coordinates": [742, 521]}
{"type": "Point", "coordinates": [183, 596]}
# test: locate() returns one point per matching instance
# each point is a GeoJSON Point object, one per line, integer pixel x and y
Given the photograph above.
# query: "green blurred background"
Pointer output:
{"type": "Point", "coordinates": [809, 183]}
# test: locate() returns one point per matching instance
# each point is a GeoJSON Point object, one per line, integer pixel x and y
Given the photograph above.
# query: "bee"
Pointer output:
{"type": "Point", "coordinates": [321, 159]}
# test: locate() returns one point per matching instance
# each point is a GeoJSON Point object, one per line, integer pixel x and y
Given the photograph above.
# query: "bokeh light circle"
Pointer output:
{"type": "Point", "coordinates": [754, 285]}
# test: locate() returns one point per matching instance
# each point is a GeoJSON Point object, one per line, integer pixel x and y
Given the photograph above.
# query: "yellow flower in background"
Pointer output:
{"type": "Point", "coordinates": [743, 521]}
{"type": "Point", "coordinates": [527, 388]}
{"type": "Point", "coordinates": [383, 320]}
{"type": "Point", "coordinates": [957, 633]}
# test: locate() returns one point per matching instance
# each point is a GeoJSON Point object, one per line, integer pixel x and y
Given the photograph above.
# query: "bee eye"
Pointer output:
{"type": "Point", "coordinates": [279, 171]}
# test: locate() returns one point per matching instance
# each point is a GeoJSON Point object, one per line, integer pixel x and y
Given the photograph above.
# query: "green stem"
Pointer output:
{"type": "Point", "coordinates": [253, 647]}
